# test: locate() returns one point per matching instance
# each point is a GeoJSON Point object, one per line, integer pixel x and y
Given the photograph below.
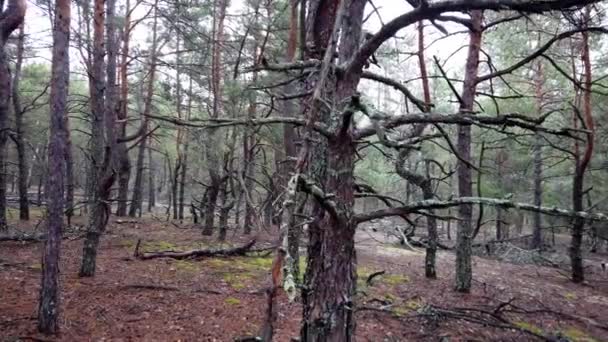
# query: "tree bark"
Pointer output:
{"type": "Point", "coordinates": [465, 188]}
{"type": "Point", "coordinates": [49, 304]}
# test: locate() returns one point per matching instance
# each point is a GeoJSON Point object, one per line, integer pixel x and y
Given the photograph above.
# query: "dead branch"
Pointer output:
{"type": "Point", "coordinates": [150, 287]}
{"type": "Point", "coordinates": [374, 275]}
{"type": "Point", "coordinates": [23, 238]}
{"type": "Point", "coordinates": [434, 204]}
{"type": "Point", "coordinates": [194, 254]}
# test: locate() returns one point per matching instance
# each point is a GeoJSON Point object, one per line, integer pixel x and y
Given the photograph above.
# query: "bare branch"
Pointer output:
{"type": "Point", "coordinates": [434, 204]}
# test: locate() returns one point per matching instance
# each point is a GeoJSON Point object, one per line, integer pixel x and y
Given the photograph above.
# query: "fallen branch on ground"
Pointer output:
{"type": "Point", "coordinates": [23, 238]}
{"type": "Point", "coordinates": [194, 254]}
{"type": "Point", "coordinates": [150, 287]}
{"type": "Point", "coordinates": [374, 275]}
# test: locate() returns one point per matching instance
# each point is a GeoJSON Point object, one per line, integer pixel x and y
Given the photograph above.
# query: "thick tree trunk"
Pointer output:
{"type": "Point", "coordinates": [330, 281]}
{"type": "Point", "coordinates": [224, 212]}
{"type": "Point", "coordinates": [22, 161]}
{"type": "Point", "coordinates": [328, 297]}
{"type": "Point", "coordinates": [212, 193]}
{"type": "Point", "coordinates": [49, 304]}
{"type": "Point", "coordinates": [464, 272]}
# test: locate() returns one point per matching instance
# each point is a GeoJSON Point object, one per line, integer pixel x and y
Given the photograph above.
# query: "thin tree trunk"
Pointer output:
{"type": "Point", "coordinates": [213, 162]}
{"type": "Point", "coordinates": [136, 199]}
{"type": "Point", "coordinates": [576, 258]}
{"type": "Point", "coordinates": [537, 238]}
{"type": "Point", "coordinates": [178, 142]}
{"type": "Point", "coordinates": [186, 144]}
{"type": "Point", "coordinates": [465, 187]}
{"type": "Point", "coordinates": [182, 181]}
{"type": "Point", "coordinates": [49, 304]}
{"type": "Point", "coordinates": [289, 136]}
{"type": "Point", "coordinates": [22, 161]}
{"type": "Point", "coordinates": [151, 182]}
{"type": "Point", "coordinates": [122, 154]}
{"type": "Point", "coordinates": [105, 174]}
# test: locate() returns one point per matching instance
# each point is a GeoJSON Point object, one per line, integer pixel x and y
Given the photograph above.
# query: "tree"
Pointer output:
{"type": "Point", "coordinates": [104, 100]}
{"type": "Point", "coordinates": [122, 154]}
{"type": "Point", "coordinates": [137, 198]}
{"type": "Point", "coordinates": [49, 306]}
{"type": "Point", "coordinates": [581, 164]}
{"type": "Point", "coordinates": [22, 162]}
{"type": "Point", "coordinates": [10, 19]}
{"type": "Point", "coordinates": [463, 167]}
{"type": "Point", "coordinates": [537, 238]}
{"type": "Point", "coordinates": [213, 158]}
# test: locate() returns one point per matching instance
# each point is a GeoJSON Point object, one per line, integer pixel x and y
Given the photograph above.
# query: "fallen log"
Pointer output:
{"type": "Point", "coordinates": [194, 254]}
{"type": "Point", "coordinates": [23, 238]}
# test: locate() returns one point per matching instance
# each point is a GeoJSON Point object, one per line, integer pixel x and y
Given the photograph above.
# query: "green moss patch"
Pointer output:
{"type": "Point", "coordinates": [186, 266]}
{"type": "Point", "coordinates": [232, 301]}
{"type": "Point", "coordinates": [529, 326]}
{"type": "Point", "coordinates": [576, 335]}
{"type": "Point", "coordinates": [237, 281]}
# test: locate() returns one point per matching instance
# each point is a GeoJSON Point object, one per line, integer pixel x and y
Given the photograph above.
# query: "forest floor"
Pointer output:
{"type": "Point", "coordinates": [220, 299]}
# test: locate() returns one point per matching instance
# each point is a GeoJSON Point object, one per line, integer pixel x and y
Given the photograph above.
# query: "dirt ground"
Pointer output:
{"type": "Point", "coordinates": [220, 299]}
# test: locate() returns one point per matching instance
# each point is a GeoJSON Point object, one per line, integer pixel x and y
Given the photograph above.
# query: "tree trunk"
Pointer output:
{"type": "Point", "coordinates": [136, 199]}
{"type": "Point", "coordinates": [105, 116]}
{"type": "Point", "coordinates": [5, 96]}
{"type": "Point", "coordinates": [182, 181]}
{"type": "Point", "coordinates": [224, 212]}
{"type": "Point", "coordinates": [184, 168]}
{"type": "Point", "coordinates": [328, 295]}
{"type": "Point", "coordinates": [122, 154]}
{"type": "Point", "coordinates": [465, 187]}
{"type": "Point", "coordinates": [576, 258]}
{"type": "Point", "coordinates": [289, 136]}
{"type": "Point", "coordinates": [151, 182]}
{"type": "Point", "coordinates": [22, 161]}
{"type": "Point", "coordinates": [138, 186]}
{"type": "Point", "coordinates": [213, 159]}
{"type": "Point", "coordinates": [537, 238]}
{"type": "Point", "coordinates": [49, 304]}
